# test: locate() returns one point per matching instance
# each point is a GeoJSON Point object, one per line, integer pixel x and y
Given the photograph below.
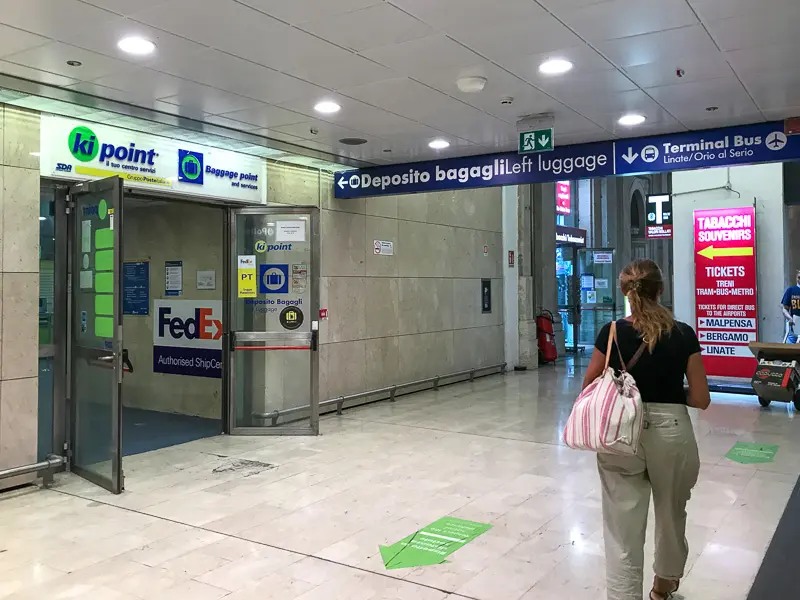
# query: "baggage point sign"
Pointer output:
{"type": "Point", "coordinates": [763, 142]}
{"type": "Point", "coordinates": [725, 276]}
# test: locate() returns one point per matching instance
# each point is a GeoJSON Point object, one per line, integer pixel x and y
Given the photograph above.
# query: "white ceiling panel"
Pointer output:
{"type": "Point", "coordinates": [400, 95]}
{"type": "Point", "coordinates": [210, 100]}
{"type": "Point", "coordinates": [35, 75]}
{"type": "Point", "coordinates": [101, 91]}
{"type": "Point", "coordinates": [372, 27]}
{"type": "Point", "coordinates": [143, 83]}
{"type": "Point", "coordinates": [340, 69]}
{"type": "Point", "coordinates": [326, 133]}
{"type": "Point", "coordinates": [53, 58]}
{"type": "Point", "coordinates": [788, 112]}
{"type": "Point", "coordinates": [459, 16]}
{"type": "Point", "coordinates": [675, 44]}
{"type": "Point", "coordinates": [621, 18]}
{"type": "Point", "coordinates": [709, 10]}
{"type": "Point", "coordinates": [239, 76]}
{"type": "Point", "coordinates": [124, 7]}
{"type": "Point", "coordinates": [426, 55]}
{"type": "Point", "coordinates": [14, 40]}
{"type": "Point", "coordinates": [696, 68]}
{"type": "Point", "coordinates": [773, 58]}
{"type": "Point", "coordinates": [771, 92]}
{"type": "Point", "coordinates": [519, 38]}
{"type": "Point", "coordinates": [576, 86]}
{"type": "Point", "coordinates": [710, 121]}
{"type": "Point", "coordinates": [688, 101]}
{"type": "Point", "coordinates": [619, 103]}
{"type": "Point", "coordinates": [52, 18]}
{"type": "Point", "coordinates": [584, 60]}
{"type": "Point", "coordinates": [266, 116]}
{"type": "Point", "coordinates": [170, 48]}
{"type": "Point", "coordinates": [759, 29]}
{"type": "Point", "coordinates": [300, 11]}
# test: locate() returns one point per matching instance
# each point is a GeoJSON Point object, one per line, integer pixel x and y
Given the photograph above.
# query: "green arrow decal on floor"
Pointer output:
{"type": "Point", "coordinates": [431, 545]}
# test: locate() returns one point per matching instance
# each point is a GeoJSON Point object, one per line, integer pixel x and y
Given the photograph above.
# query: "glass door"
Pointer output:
{"type": "Point", "coordinates": [597, 276]}
{"type": "Point", "coordinates": [95, 363]}
{"type": "Point", "coordinates": [272, 343]}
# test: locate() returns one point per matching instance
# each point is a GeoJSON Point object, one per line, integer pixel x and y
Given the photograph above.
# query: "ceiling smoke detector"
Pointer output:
{"type": "Point", "coordinates": [508, 100]}
{"type": "Point", "coordinates": [471, 85]}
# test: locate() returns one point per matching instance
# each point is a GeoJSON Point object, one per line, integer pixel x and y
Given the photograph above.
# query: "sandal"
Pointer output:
{"type": "Point", "coordinates": [656, 595]}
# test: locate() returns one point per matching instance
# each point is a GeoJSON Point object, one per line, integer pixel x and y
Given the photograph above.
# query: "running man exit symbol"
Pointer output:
{"type": "Point", "coordinates": [540, 140]}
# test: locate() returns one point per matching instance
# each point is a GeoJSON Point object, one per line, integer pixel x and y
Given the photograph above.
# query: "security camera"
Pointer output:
{"type": "Point", "coordinates": [313, 131]}
{"type": "Point", "coordinates": [680, 73]}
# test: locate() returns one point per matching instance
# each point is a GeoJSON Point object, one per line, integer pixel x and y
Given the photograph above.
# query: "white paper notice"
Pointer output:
{"type": "Point", "coordinates": [87, 280]}
{"type": "Point", "coordinates": [601, 284]}
{"type": "Point", "coordinates": [290, 231]}
{"type": "Point", "coordinates": [206, 280]}
{"type": "Point", "coordinates": [86, 236]}
{"type": "Point", "coordinates": [384, 248]}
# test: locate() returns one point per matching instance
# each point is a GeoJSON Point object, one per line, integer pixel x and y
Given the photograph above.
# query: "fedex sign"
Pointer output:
{"type": "Point", "coordinates": [187, 337]}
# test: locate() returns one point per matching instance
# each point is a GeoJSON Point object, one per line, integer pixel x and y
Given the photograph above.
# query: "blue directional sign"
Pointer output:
{"type": "Point", "coordinates": [488, 170]}
{"type": "Point", "coordinates": [764, 142]}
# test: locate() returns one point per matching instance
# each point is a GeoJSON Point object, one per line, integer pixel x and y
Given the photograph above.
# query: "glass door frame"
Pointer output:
{"type": "Point", "coordinates": [231, 337]}
{"type": "Point", "coordinates": [588, 310]}
{"type": "Point", "coordinates": [113, 356]}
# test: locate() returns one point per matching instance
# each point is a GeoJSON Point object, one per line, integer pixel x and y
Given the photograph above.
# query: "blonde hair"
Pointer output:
{"type": "Point", "coordinates": [642, 282]}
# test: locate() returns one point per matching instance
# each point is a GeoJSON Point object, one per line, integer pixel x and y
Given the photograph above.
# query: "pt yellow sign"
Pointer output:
{"type": "Point", "coordinates": [246, 274]}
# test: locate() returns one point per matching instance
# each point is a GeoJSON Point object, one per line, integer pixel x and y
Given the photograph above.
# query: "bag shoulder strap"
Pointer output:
{"type": "Point", "coordinates": [612, 340]}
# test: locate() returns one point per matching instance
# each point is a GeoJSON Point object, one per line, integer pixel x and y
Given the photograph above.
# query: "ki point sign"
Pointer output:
{"type": "Point", "coordinates": [539, 162]}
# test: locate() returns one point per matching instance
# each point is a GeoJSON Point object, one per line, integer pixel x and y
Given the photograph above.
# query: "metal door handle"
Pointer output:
{"type": "Point", "coordinates": [106, 358]}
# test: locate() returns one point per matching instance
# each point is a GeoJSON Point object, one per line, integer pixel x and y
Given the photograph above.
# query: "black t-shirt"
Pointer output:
{"type": "Point", "coordinates": [659, 376]}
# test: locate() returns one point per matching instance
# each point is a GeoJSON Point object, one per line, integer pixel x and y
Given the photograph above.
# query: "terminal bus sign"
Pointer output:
{"type": "Point", "coordinates": [726, 305]}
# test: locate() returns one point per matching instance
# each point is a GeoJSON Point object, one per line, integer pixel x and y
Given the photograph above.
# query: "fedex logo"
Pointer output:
{"type": "Point", "coordinates": [187, 323]}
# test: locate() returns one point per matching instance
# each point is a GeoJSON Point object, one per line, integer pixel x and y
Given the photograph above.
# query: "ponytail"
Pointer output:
{"type": "Point", "coordinates": [642, 282]}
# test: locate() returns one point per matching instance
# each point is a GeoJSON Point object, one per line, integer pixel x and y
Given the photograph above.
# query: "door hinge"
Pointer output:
{"type": "Point", "coordinates": [68, 206]}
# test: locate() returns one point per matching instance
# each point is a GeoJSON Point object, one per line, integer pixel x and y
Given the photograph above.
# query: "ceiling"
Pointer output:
{"type": "Point", "coordinates": [261, 65]}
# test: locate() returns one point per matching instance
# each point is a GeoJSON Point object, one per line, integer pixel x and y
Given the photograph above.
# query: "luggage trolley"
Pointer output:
{"type": "Point", "coordinates": [777, 377]}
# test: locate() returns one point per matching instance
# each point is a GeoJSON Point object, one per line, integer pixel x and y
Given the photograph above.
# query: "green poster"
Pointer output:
{"type": "Point", "coordinates": [750, 454]}
{"type": "Point", "coordinates": [431, 545]}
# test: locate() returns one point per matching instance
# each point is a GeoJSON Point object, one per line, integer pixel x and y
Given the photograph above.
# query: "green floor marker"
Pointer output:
{"type": "Point", "coordinates": [431, 545]}
{"type": "Point", "coordinates": [751, 454]}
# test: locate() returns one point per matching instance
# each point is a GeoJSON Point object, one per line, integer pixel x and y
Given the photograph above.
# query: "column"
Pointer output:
{"type": "Point", "coordinates": [528, 352]}
{"type": "Point", "coordinates": [19, 251]}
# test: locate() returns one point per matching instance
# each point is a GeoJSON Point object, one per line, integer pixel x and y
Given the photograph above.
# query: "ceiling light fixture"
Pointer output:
{"type": "Point", "coordinates": [555, 66]}
{"type": "Point", "coordinates": [631, 120]}
{"type": "Point", "coordinates": [712, 108]}
{"type": "Point", "coordinates": [326, 107]}
{"type": "Point", "coordinates": [136, 45]}
{"type": "Point", "coordinates": [351, 141]}
{"type": "Point", "coordinates": [74, 63]}
{"type": "Point", "coordinates": [439, 144]}
{"type": "Point", "coordinates": [471, 85]}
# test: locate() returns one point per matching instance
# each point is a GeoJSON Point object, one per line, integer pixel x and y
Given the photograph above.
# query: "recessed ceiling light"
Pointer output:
{"type": "Point", "coordinates": [387, 150]}
{"type": "Point", "coordinates": [348, 141]}
{"type": "Point", "coordinates": [327, 107]}
{"type": "Point", "coordinates": [712, 108]}
{"type": "Point", "coordinates": [439, 144]}
{"type": "Point", "coordinates": [555, 66]}
{"type": "Point", "coordinates": [631, 119]}
{"type": "Point", "coordinates": [74, 63]}
{"type": "Point", "coordinates": [136, 45]}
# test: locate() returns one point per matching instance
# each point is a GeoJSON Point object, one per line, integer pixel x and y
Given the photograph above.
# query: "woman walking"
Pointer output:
{"type": "Point", "coordinates": [666, 463]}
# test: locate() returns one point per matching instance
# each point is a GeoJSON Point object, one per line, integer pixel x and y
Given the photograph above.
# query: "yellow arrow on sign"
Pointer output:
{"type": "Point", "coordinates": [711, 253]}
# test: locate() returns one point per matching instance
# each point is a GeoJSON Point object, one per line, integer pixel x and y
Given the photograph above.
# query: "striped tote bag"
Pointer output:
{"type": "Point", "coordinates": [608, 415]}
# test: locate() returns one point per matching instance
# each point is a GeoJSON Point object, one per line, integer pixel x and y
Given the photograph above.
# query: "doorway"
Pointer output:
{"type": "Point", "coordinates": [187, 320]}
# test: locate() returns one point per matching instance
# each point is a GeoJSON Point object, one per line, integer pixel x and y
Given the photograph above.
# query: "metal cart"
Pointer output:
{"type": "Point", "coordinates": [777, 377]}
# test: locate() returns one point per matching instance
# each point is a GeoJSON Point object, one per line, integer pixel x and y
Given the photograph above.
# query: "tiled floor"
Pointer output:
{"type": "Point", "coordinates": [309, 529]}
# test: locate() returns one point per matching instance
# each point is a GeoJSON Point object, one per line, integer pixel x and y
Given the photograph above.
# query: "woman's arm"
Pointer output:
{"type": "Point", "coordinates": [699, 396]}
{"type": "Point", "coordinates": [595, 368]}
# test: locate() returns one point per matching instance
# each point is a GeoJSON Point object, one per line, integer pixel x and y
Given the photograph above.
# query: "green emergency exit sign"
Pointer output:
{"type": "Point", "coordinates": [540, 140]}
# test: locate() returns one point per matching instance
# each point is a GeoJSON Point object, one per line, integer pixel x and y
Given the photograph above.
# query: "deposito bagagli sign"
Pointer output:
{"type": "Point", "coordinates": [79, 150]}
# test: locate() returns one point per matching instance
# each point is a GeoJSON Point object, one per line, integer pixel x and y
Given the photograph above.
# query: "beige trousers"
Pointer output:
{"type": "Point", "coordinates": [666, 464]}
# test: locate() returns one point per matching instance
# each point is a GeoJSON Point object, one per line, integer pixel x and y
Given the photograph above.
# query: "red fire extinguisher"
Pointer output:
{"type": "Point", "coordinates": [545, 336]}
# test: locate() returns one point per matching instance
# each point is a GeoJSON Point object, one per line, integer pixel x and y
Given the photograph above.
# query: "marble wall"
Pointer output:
{"type": "Point", "coordinates": [19, 287]}
{"type": "Point", "coordinates": [416, 314]}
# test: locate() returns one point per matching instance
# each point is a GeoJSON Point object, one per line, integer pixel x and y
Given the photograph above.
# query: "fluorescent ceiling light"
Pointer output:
{"type": "Point", "coordinates": [439, 144]}
{"type": "Point", "coordinates": [555, 66]}
{"type": "Point", "coordinates": [631, 119]}
{"type": "Point", "coordinates": [136, 45]}
{"type": "Point", "coordinates": [327, 107]}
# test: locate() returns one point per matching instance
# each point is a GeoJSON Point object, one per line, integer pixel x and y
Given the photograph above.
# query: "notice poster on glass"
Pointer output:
{"type": "Point", "coordinates": [726, 303]}
{"type": "Point", "coordinates": [173, 285]}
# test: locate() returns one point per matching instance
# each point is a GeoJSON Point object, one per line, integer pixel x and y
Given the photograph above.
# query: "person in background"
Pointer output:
{"type": "Point", "coordinates": [667, 461]}
{"type": "Point", "coordinates": [790, 305]}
